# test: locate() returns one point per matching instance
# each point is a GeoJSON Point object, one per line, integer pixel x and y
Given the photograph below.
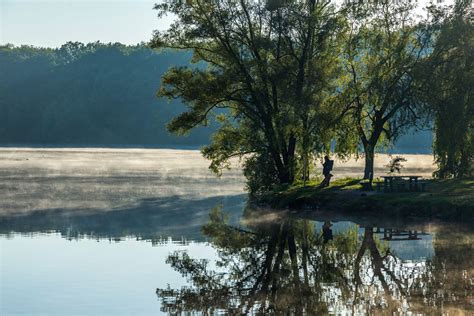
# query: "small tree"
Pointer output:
{"type": "Point", "coordinates": [395, 164]}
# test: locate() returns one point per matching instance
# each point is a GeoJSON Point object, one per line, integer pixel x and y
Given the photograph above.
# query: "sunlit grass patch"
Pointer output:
{"type": "Point", "coordinates": [443, 198]}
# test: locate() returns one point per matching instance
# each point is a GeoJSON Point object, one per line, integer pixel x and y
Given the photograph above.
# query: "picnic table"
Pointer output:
{"type": "Point", "coordinates": [397, 183]}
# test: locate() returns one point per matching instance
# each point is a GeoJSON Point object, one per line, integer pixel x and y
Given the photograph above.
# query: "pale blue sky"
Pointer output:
{"type": "Point", "coordinates": [53, 22]}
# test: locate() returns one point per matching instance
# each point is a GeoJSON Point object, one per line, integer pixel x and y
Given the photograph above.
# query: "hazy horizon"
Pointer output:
{"type": "Point", "coordinates": [52, 23]}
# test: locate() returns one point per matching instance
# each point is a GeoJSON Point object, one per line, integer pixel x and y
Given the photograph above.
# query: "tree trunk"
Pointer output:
{"type": "Point", "coordinates": [292, 250]}
{"type": "Point", "coordinates": [282, 170]}
{"type": "Point", "coordinates": [369, 162]}
{"type": "Point", "coordinates": [305, 155]}
{"type": "Point", "coordinates": [291, 159]}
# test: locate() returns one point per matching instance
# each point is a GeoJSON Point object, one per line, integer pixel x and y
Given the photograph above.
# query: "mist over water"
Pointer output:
{"type": "Point", "coordinates": [89, 231]}
{"type": "Point", "coordinates": [106, 179]}
{"type": "Point", "coordinates": [33, 179]}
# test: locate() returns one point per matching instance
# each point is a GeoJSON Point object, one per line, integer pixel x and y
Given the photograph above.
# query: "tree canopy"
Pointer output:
{"type": "Point", "coordinates": [272, 65]}
{"type": "Point", "coordinates": [88, 94]}
{"type": "Point", "coordinates": [299, 76]}
{"type": "Point", "coordinates": [96, 95]}
{"type": "Point", "coordinates": [384, 46]}
{"type": "Point", "coordinates": [448, 83]}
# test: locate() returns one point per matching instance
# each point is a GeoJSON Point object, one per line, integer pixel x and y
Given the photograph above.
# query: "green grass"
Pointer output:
{"type": "Point", "coordinates": [290, 196]}
{"type": "Point", "coordinates": [451, 199]}
{"type": "Point", "coordinates": [442, 196]}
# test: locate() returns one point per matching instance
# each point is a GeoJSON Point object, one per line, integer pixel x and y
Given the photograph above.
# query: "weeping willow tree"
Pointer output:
{"type": "Point", "coordinates": [449, 77]}
{"type": "Point", "coordinates": [266, 71]}
{"type": "Point", "coordinates": [384, 46]}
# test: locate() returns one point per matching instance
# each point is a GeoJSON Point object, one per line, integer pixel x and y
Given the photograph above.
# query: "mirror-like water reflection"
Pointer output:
{"type": "Point", "coordinates": [46, 274]}
{"type": "Point", "coordinates": [288, 266]}
{"type": "Point", "coordinates": [258, 262]}
{"type": "Point", "coordinates": [128, 232]}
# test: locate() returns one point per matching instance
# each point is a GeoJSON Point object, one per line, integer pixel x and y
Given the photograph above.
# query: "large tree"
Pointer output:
{"type": "Point", "coordinates": [384, 46]}
{"type": "Point", "coordinates": [270, 65]}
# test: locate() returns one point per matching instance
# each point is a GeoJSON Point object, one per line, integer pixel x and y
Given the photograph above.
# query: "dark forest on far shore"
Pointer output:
{"type": "Point", "coordinates": [101, 95]}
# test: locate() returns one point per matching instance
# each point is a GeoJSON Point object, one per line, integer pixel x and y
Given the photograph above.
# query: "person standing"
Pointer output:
{"type": "Point", "coordinates": [327, 168]}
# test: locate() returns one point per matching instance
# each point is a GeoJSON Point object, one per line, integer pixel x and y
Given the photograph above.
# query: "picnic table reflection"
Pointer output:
{"type": "Point", "coordinates": [399, 235]}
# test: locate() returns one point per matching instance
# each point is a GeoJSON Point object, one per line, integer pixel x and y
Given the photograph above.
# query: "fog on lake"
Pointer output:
{"type": "Point", "coordinates": [152, 231]}
{"type": "Point", "coordinates": [109, 179]}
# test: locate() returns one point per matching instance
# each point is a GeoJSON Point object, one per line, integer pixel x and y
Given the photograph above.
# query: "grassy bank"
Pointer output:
{"type": "Point", "coordinates": [444, 199]}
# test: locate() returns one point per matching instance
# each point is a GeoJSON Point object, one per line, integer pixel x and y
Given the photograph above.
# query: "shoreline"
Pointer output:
{"type": "Point", "coordinates": [451, 200]}
{"type": "Point", "coordinates": [402, 150]}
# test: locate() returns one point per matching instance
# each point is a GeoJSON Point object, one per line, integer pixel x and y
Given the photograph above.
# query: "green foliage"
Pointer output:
{"type": "Point", "coordinates": [450, 199]}
{"type": "Point", "coordinates": [395, 164]}
{"type": "Point", "coordinates": [383, 48]}
{"type": "Point", "coordinates": [272, 66]}
{"type": "Point", "coordinates": [447, 199]}
{"type": "Point", "coordinates": [297, 196]}
{"type": "Point", "coordinates": [449, 78]}
{"type": "Point", "coordinates": [88, 94]}
{"type": "Point", "coordinates": [260, 174]}
{"type": "Point", "coordinates": [94, 94]}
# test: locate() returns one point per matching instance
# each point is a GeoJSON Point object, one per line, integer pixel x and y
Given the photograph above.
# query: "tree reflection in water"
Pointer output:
{"type": "Point", "coordinates": [286, 266]}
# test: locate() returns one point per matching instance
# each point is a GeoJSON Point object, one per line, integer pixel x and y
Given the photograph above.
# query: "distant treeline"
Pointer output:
{"type": "Point", "coordinates": [99, 94]}
{"type": "Point", "coordinates": [88, 94]}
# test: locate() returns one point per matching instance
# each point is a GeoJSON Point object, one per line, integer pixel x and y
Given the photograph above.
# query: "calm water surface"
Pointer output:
{"type": "Point", "coordinates": [149, 232]}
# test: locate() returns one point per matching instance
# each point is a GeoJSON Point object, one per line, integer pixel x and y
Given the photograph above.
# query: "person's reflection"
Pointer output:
{"type": "Point", "coordinates": [327, 231]}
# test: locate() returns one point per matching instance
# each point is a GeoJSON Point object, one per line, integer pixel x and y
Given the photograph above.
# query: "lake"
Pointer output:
{"type": "Point", "coordinates": [151, 231]}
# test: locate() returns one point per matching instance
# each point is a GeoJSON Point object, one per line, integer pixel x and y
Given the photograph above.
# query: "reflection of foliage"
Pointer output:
{"type": "Point", "coordinates": [379, 266]}
{"type": "Point", "coordinates": [448, 281]}
{"type": "Point", "coordinates": [284, 266]}
{"type": "Point", "coordinates": [271, 269]}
